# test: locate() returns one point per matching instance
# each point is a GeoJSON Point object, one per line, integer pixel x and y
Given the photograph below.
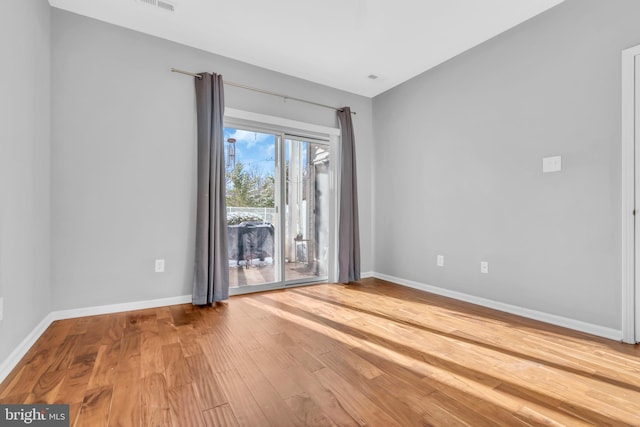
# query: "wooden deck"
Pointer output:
{"type": "Point", "coordinates": [260, 273]}
{"type": "Point", "coordinates": [372, 353]}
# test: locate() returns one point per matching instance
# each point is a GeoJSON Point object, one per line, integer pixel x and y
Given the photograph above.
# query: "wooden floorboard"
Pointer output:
{"type": "Point", "coordinates": [371, 353]}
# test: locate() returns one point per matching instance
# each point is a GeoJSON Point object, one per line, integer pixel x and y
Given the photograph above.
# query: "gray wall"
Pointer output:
{"type": "Point", "coordinates": [123, 157]}
{"type": "Point", "coordinates": [24, 170]}
{"type": "Point", "coordinates": [459, 170]}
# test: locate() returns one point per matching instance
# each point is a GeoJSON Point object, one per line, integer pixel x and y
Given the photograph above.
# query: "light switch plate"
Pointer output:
{"type": "Point", "coordinates": [440, 260]}
{"type": "Point", "coordinates": [159, 266]}
{"type": "Point", "coordinates": [552, 164]}
{"type": "Point", "coordinates": [1, 308]}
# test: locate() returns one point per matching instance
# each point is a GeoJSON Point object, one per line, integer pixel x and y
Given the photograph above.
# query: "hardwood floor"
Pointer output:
{"type": "Point", "coordinates": [373, 354]}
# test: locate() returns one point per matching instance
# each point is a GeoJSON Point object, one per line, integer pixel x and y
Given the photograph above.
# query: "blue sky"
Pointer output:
{"type": "Point", "coordinates": [255, 150]}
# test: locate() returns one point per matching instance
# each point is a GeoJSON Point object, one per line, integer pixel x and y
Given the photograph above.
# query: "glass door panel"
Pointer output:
{"type": "Point", "coordinates": [252, 200]}
{"type": "Point", "coordinates": [279, 209]}
{"type": "Point", "coordinates": [307, 209]}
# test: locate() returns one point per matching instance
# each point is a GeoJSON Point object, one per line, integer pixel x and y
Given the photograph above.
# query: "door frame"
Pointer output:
{"type": "Point", "coordinates": [630, 184]}
{"type": "Point", "coordinates": [280, 125]}
{"type": "Point", "coordinates": [333, 203]}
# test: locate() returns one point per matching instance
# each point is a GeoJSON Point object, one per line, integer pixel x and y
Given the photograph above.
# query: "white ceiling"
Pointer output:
{"type": "Point", "coordinates": [338, 43]}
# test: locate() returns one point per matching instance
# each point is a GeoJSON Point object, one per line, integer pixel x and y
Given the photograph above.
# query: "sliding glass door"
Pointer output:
{"type": "Point", "coordinates": [252, 219]}
{"type": "Point", "coordinates": [279, 206]}
{"type": "Point", "coordinates": [307, 207]}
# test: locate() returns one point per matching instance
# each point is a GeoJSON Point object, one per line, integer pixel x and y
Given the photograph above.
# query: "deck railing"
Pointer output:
{"type": "Point", "coordinates": [267, 214]}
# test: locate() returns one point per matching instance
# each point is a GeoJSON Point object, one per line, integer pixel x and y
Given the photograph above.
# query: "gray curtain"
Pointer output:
{"type": "Point", "coordinates": [349, 229]}
{"type": "Point", "coordinates": [211, 275]}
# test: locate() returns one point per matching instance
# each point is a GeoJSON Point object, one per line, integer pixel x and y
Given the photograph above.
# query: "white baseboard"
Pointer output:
{"type": "Point", "coordinates": [16, 355]}
{"type": "Point", "coordinates": [367, 274]}
{"type": "Point", "coordinates": [117, 308]}
{"type": "Point", "coordinates": [553, 319]}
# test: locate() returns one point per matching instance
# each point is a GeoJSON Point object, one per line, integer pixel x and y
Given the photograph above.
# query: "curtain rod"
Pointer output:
{"type": "Point", "coordinates": [198, 76]}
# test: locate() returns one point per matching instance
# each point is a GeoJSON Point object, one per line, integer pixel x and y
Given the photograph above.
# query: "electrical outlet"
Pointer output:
{"type": "Point", "coordinates": [1, 308]}
{"type": "Point", "coordinates": [440, 260]}
{"type": "Point", "coordinates": [159, 266]}
{"type": "Point", "coordinates": [552, 164]}
{"type": "Point", "coordinates": [484, 267]}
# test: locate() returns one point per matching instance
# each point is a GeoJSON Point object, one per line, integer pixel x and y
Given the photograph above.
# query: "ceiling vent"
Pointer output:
{"type": "Point", "coordinates": [166, 6]}
{"type": "Point", "coordinates": [160, 4]}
